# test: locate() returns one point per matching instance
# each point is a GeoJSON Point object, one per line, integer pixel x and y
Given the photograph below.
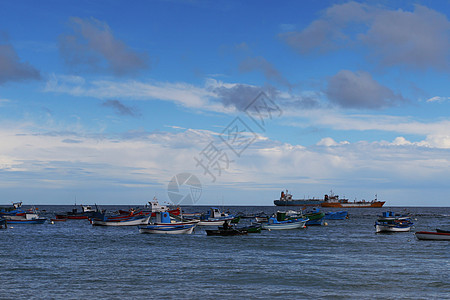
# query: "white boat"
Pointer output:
{"type": "Point", "coordinates": [168, 229]}
{"type": "Point", "coordinates": [274, 224]}
{"type": "Point", "coordinates": [138, 220]}
{"type": "Point", "coordinates": [163, 223]}
{"type": "Point", "coordinates": [435, 236]}
{"type": "Point", "coordinates": [390, 222]}
{"type": "Point", "coordinates": [215, 218]}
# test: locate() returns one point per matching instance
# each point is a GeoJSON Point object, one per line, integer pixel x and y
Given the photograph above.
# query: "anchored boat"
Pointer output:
{"type": "Point", "coordinates": [391, 222]}
{"type": "Point", "coordinates": [439, 235]}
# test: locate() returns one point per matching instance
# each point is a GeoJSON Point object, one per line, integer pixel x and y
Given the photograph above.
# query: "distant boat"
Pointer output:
{"type": "Point", "coordinates": [168, 229]}
{"type": "Point", "coordinates": [281, 221]}
{"type": "Point", "coordinates": [17, 215]}
{"type": "Point", "coordinates": [334, 201]}
{"type": "Point", "coordinates": [391, 222]}
{"type": "Point", "coordinates": [274, 224]}
{"type": "Point", "coordinates": [130, 221]}
{"type": "Point", "coordinates": [87, 211]}
{"type": "Point", "coordinates": [315, 217]}
{"type": "Point", "coordinates": [215, 217]}
{"type": "Point", "coordinates": [286, 200]}
{"type": "Point", "coordinates": [435, 236]}
{"type": "Point", "coordinates": [165, 223]}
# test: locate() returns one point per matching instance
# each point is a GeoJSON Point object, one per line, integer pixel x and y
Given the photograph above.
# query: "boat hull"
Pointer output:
{"type": "Point", "coordinates": [354, 204]}
{"type": "Point", "coordinates": [214, 222]}
{"type": "Point", "coordinates": [27, 221]}
{"type": "Point", "coordinates": [299, 202]}
{"type": "Point", "coordinates": [435, 236]}
{"type": "Point", "coordinates": [338, 215]}
{"type": "Point", "coordinates": [133, 222]}
{"type": "Point", "coordinates": [284, 226]}
{"type": "Point", "coordinates": [168, 229]}
{"type": "Point", "coordinates": [389, 228]}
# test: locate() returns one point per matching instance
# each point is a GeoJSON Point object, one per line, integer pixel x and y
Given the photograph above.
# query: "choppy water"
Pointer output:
{"type": "Point", "coordinates": [343, 260]}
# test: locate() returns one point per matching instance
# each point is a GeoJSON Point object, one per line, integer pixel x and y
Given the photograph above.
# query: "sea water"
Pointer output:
{"type": "Point", "coordinates": [344, 260]}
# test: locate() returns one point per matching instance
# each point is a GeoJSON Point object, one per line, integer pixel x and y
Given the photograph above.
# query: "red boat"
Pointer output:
{"type": "Point", "coordinates": [435, 236]}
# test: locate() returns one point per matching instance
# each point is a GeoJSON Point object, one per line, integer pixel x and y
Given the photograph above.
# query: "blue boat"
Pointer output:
{"type": "Point", "coordinates": [163, 223]}
{"type": "Point", "coordinates": [17, 215]}
{"type": "Point", "coordinates": [392, 222]}
{"type": "Point", "coordinates": [336, 215]}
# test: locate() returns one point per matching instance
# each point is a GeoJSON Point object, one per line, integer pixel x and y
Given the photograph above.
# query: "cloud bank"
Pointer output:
{"type": "Point", "coordinates": [418, 39]}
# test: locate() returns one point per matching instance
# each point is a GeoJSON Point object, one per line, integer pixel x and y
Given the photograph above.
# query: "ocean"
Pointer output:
{"type": "Point", "coordinates": [344, 260]}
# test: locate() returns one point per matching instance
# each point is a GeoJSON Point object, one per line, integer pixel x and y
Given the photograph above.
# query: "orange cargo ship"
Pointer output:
{"type": "Point", "coordinates": [334, 201]}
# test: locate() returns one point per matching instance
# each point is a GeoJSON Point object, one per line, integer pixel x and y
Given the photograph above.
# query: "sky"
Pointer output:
{"type": "Point", "coordinates": [224, 102]}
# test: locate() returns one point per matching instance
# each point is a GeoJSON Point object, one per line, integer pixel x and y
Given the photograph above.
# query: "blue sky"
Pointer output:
{"type": "Point", "coordinates": [108, 101]}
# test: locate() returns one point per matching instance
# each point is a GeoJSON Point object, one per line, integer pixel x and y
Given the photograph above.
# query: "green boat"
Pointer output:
{"type": "Point", "coordinates": [254, 228]}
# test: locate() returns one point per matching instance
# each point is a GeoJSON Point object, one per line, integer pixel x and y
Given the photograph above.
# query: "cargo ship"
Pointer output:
{"type": "Point", "coordinates": [286, 200]}
{"type": "Point", "coordinates": [334, 201]}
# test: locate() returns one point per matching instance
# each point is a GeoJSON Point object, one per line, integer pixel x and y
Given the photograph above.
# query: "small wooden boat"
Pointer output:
{"type": "Point", "coordinates": [435, 236]}
{"type": "Point", "coordinates": [165, 223]}
{"type": "Point", "coordinates": [215, 218]}
{"type": "Point", "coordinates": [315, 218]}
{"type": "Point", "coordinates": [336, 215]}
{"type": "Point", "coordinates": [168, 229]}
{"type": "Point", "coordinates": [17, 215]}
{"type": "Point", "coordinates": [254, 228]}
{"type": "Point", "coordinates": [274, 224]}
{"type": "Point", "coordinates": [132, 221]}
{"type": "Point", "coordinates": [390, 222]}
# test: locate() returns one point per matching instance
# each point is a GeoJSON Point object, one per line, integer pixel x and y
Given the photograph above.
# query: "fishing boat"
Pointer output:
{"type": "Point", "coordinates": [87, 211]}
{"type": "Point", "coordinates": [253, 228]}
{"type": "Point", "coordinates": [225, 230]}
{"type": "Point", "coordinates": [165, 223]}
{"type": "Point", "coordinates": [130, 221]}
{"type": "Point", "coordinates": [334, 201]}
{"type": "Point", "coordinates": [287, 200]}
{"type": "Point", "coordinates": [391, 222]}
{"type": "Point", "coordinates": [336, 215]}
{"type": "Point", "coordinates": [435, 236]}
{"type": "Point", "coordinates": [156, 207]}
{"type": "Point", "coordinates": [168, 229]}
{"type": "Point", "coordinates": [17, 215]}
{"type": "Point", "coordinates": [274, 224]}
{"type": "Point", "coordinates": [281, 220]}
{"type": "Point", "coordinates": [215, 217]}
{"type": "Point", "coordinates": [315, 217]}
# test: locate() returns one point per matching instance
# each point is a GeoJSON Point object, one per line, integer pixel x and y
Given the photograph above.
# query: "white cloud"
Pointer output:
{"type": "Point", "coordinates": [438, 99]}
{"type": "Point", "coordinates": [150, 159]}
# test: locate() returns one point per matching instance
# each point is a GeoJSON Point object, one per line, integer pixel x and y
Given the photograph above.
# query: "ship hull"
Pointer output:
{"type": "Point", "coordinates": [353, 205]}
{"type": "Point", "coordinates": [298, 202]}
